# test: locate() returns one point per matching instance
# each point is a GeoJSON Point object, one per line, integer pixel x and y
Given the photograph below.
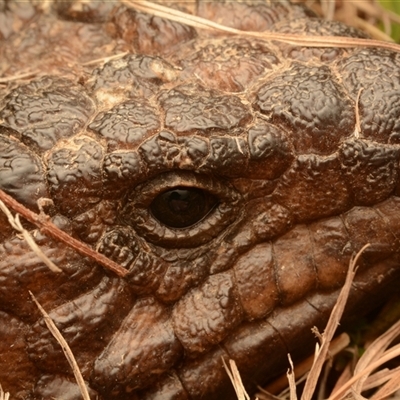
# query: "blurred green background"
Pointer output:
{"type": "Point", "coordinates": [394, 6]}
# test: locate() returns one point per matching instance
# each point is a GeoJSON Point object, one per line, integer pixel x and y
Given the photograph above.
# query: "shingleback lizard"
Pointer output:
{"type": "Point", "coordinates": [232, 176]}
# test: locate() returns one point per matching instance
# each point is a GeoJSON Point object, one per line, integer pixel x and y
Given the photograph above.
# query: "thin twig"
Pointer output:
{"type": "Point", "coordinates": [293, 39]}
{"type": "Point", "coordinates": [387, 356]}
{"type": "Point", "coordinates": [291, 379]}
{"type": "Point", "coordinates": [106, 59]}
{"type": "Point", "coordinates": [49, 229]}
{"type": "Point", "coordinates": [16, 224]}
{"type": "Point", "coordinates": [18, 76]}
{"type": "Point", "coordinates": [4, 395]}
{"type": "Point", "coordinates": [390, 387]}
{"type": "Point", "coordinates": [65, 348]}
{"type": "Point", "coordinates": [330, 329]}
{"type": "Point", "coordinates": [301, 369]}
{"type": "Point", "coordinates": [236, 380]}
{"type": "Point", "coordinates": [373, 352]}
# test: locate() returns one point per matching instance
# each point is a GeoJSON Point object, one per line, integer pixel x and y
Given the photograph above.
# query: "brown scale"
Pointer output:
{"type": "Point", "coordinates": [227, 175]}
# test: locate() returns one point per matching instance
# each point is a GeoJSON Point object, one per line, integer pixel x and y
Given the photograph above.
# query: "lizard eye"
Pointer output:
{"type": "Point", "coordinates": [182, 207]}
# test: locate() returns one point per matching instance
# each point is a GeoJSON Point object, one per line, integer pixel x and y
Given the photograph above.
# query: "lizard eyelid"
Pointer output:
{"type": "Point", "coordinates": [180, 208]}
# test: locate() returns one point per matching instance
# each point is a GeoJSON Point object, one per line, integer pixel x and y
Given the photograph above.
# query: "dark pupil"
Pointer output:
{"type": "Point", "coordinates": [182, 207]}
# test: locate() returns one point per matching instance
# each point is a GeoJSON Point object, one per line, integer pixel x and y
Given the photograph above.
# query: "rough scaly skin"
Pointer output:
{"type": "Point", "coordinates": [268, 130]}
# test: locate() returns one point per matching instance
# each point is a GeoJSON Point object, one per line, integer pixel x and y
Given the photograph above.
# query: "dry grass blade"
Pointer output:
{"type": "Point", "coordinates": [328, 8]}
{"type": "Point", "coordinates": [294, 39]}
{"type": "Point", "coordinates": [391, 386]}
{"type": "Point", "coordinates": [16, 224]}
{"type": "Point", "coordinates": [65, 348]}
{"type": "Point", "coordinates": [48, 228]}
{"type": "Point", "coordinates": [320, 395]}
{"type": "Point", "coordinates": [4, 395]}
{"type": "Point", "coordinates": [292, 380]}
{"type": "Point", "coordinates": [386, 356]}
{"type": "Point", "coordinates": [302, 368]}
{"type": "Point", "coordinates": [355, 396]}
{"type": "Point", "coordinates": [379, 378]}
{"type": "Point", "coordinates": [344, 377]}
{"type": "Point", "coordinates": [365, 15]}
{"type": "Point", "coordinates": [16, 77]}
{"type": "Point", "coordinates": [377, 11]}
{"type": "Point", "coordinates": [372, 30]}
{"type": "Point", "coordinates": [330, 329]}
{"type": "Point", "coordinates": [106, 59]}
{"type": "Point", "coordinates": [374, 352]}
{"type": "Point", "coordinates": [236, 380]}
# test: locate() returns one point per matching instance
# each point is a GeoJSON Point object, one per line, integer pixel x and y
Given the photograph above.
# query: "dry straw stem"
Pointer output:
{"type": "Point", "coordinates": [43, 222]}
{"type": "Point", "coordinates": [293, 39]}
{"type": "Point", "coordinates": [373, 352]}
{"type": "Point", "coordinates": [3, 395]}
{"type": "Point", "coordinates": [301, 369]}
{"type": "Point", "coordinates": [375, 356]}
{"type": "Point", "coordinates": [292, 380]}
{"type": "Point", "coordinates": [65, 348]}
{"type": "Point", "coordinates": [106, 59]}
{"type": "Point", "coordinates": [379, 378]}
{"type": "Point", "coordinates": [375, 10]}
{"type": "Point", "coordinates": [16, 77]}
{"type": "Point", "coordinates": [236, 380]}
{"type": "Point", "coordinates": [321, 351]}
{"type": "Point", "coordinates": [392, 385]}
{"type": "Point", "coordinates": [348, 12]}
{"type": "Point", "coordinates": [16, 224]}
{"type": "Point", "coordinates": [372, 30]}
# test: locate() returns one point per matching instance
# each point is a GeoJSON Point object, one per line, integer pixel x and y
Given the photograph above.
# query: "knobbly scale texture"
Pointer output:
{"type": "Point", "coordinates": [232, 177]}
